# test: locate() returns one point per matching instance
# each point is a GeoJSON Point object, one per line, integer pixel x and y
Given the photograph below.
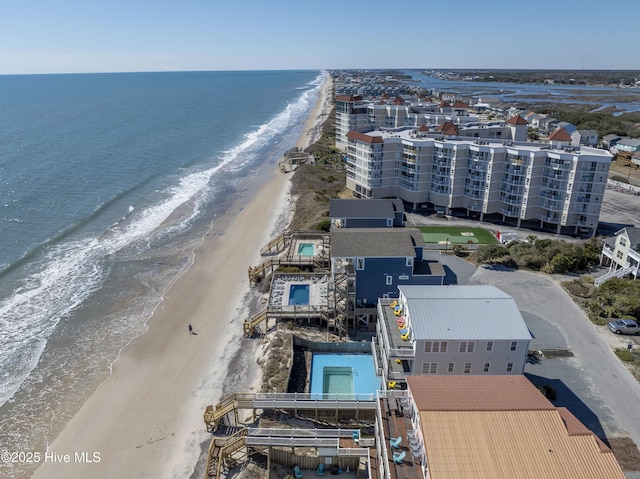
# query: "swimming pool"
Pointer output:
{"type": "Point", "coordinates": [299, 294]}
{"type": "Point", "coordinates": [344, 374]}
{"type": "Point", "coordinates": [306, 249]}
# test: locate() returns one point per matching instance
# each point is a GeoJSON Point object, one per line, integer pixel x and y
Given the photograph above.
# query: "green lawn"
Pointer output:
{"type": "Point", "coordinates": [454, 234]}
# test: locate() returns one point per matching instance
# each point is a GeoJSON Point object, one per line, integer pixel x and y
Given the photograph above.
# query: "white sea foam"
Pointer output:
{"type": "Point", "coordinates": [71, 271]}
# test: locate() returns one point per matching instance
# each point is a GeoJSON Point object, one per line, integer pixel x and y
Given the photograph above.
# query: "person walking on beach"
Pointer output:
{"type": "Point", "coordinates": [190, 329]}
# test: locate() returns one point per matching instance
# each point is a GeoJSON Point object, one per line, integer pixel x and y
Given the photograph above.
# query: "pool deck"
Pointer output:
{"type": "Point", "coordinates": [281, 290]}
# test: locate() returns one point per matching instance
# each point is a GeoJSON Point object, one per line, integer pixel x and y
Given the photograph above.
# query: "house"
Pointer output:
{"type": "Point", "coordinates": [621, 253]}
{"type": "Point", "coordinates": [450, 330]}
{"type": "Point", "coordinates": [609, 141]}
{"type": "Point", "coordinates": [485, 427]}
{"type": "Point", "coordinates": [568, 127]}
{"type": "Point", "coordinates": [584, 138]}
{"type": "Point", "coordinates": [630, 145]}
{"type": "Point", "coordinates": [354, 213]}
{"type": "Point", "coordinates": [372, 262]}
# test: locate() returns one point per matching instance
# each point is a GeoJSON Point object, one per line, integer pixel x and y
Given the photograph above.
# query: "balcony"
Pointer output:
{"type": "Point", "coordinates": [474, 194]}
{"type": "Point", "coordinates": [552, 195]}
{"type": "Point", "coordinates": [511, 199]}
{"type": "Point", "coordinates": [551, 205]}
{"type": "Point", "coordinates": [510, 212]}
{"type": "Point", "coordinates": [393, 418]}
{"type": "Point", "coordinates": [513, 181]}
{"type": "Point", "coordinates": [473, 206]}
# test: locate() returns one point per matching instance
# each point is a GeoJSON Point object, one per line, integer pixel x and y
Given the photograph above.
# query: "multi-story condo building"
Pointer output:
{"type": "Point", "coordinates": [355, 113]}
{"type": "Point", "coordinates": [548, 185]}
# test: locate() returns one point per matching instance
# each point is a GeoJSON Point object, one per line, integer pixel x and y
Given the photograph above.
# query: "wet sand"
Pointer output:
{"type": "Point", "coordinates": [146, 419]}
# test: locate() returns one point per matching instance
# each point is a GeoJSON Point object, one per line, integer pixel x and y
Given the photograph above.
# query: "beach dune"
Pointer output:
{"type": "Point", "coordinates": [145, 420]}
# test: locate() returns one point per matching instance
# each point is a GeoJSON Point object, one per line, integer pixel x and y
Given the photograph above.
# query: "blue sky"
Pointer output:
{"type": "Point", "coordinates": [46, 36]}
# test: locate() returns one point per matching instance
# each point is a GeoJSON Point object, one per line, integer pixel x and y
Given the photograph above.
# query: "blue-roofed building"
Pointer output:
{"type": "Point", "coordinates": [450, 330]}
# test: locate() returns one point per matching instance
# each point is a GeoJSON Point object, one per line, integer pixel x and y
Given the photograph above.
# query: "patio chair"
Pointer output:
{"type": "Point", "coordinates": [405, 337]}
{"type": "Point", "coordinates": [394, 442]}
{"type": "Point", "coordinates": [297, 472]}
{"type": "Point", "coordinates": [391, 384]}
{"type": "Point", "coordinates": [398, 457]}
{"type": "Point", "coordinates": [356, 436]}
{"type": "Point", "coordinates": [320, 470]}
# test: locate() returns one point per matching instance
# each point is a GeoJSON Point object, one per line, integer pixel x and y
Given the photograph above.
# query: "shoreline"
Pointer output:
{"type": "Point", "coordinates": [145, 420]}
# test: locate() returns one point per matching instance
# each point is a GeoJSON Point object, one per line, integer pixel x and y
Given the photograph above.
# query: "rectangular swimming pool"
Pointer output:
{"type": "Point", "coordinates": [306, 249]}
{"type": "Point", "coordinates": [299, 294]}
{"type": "Point", "coordinates": [343, 374]}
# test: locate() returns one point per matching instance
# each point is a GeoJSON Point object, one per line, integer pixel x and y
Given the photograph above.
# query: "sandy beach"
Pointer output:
{"type": "Point", "coordinates": [145, 420]}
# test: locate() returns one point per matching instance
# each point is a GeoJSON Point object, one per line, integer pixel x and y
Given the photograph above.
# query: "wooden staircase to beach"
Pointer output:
{"type": "Point", "coordinates": [225, 452]}
{"type": "Point", "coordinates": [252, 323]}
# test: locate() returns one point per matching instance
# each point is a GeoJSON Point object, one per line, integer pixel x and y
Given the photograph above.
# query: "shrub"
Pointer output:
{"type": "Point", "coordinates": [324, 225]}
{"type": "Point", "coordinates": [625, 355]}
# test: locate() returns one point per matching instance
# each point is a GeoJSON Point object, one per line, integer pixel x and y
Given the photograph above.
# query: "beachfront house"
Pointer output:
{"type": "Point", "coordinates": [354, 213]}
{"type": "Point", "coordinates": [483, 427]}
{"type": "Point", "coordinates": [370, 263]}
{"type": "Point", "coordinates": [621, 253]}
{"type": "Point", "coordinates": [450, 330]}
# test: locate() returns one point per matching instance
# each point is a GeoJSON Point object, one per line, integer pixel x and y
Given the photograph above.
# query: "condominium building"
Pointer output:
{"type": "Point", "coordinates": [355, 113]}
{"type": "Point", "coordinates": [483, 170]}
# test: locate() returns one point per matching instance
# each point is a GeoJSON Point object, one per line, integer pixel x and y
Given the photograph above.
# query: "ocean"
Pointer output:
{"type": "Point", "coordinates": [107, 184]}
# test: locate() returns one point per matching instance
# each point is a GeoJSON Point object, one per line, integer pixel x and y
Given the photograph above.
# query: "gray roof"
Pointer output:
{"type": "Point", "coordinates": [586, 132]}
{"type": "Point", "coordinates": [634, 237]}
{"type": "Point", "coordinates": [464, 313]}
{"type": "Point", "coordinates": [348, 208]}
{"type": "Point", "coordinates": [634, 142]}
{"type": "Point", "coordinates": [610, 137]}
{"type": "Point", "coordinates": [375, 242]}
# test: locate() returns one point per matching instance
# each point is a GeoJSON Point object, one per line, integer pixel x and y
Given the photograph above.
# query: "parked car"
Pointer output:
{"type": "Point", "coordinates": [624, 326]}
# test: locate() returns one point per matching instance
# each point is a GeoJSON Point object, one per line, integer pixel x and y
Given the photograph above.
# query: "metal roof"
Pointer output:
{"type": "Point", "coordinates": [490, 427]}
{"type": "Point", "coordinates": [463, 313]}
{"type": "Point", "coordinates": [375, 242]}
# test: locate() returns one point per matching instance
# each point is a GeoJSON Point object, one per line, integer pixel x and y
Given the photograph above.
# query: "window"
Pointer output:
{"type": "Point", "coordinates": [467, 368]}
{"type": "Point", "coordinates": [429, 368]}
{"type": "Point", "coordinates": [489, 345]}
{"type": "Point", "coordinates": [389, 221]}
{"type": "Point", "coordinates": [389, 279]}
{"type": "Point", "coordinates": [623, 241]}
{"type": "Point", "coordinates": [619, 254]}
{"type": "Point", "coordinates": [514, 345]}
{"type": "Point", "coordinates": [451, 367]}
{"type": "Point", "coordinates": [509, 367]}
{"type": "Point", "coordinates": [486, 367]}
{"type": "Point", "coordinates": [409, 261]}
{"type": "Point", "coordinates": [359, 263]}
{"type": "Point", "coordinates": [435, 347]}
{"type": "Point", "coordinates": [463, 346]}
{"type": "Point", "coordinates": [470, 347]}
{"type": "Point", "coordinates": [467, 346]}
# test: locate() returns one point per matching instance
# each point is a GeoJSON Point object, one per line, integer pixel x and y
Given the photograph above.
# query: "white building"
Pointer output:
{"type": "Point", "coordinates": [450, 330]}
{"type": "Point", "coordinates": [355, 113]}
{"type": "Point", "coordinates": [551, 185]}
{"type": "Point", "coordinates": [622, 254]}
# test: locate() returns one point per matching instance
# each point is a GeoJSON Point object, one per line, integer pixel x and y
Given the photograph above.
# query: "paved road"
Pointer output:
{"type": "Point", "coordinates": [593, 384]}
